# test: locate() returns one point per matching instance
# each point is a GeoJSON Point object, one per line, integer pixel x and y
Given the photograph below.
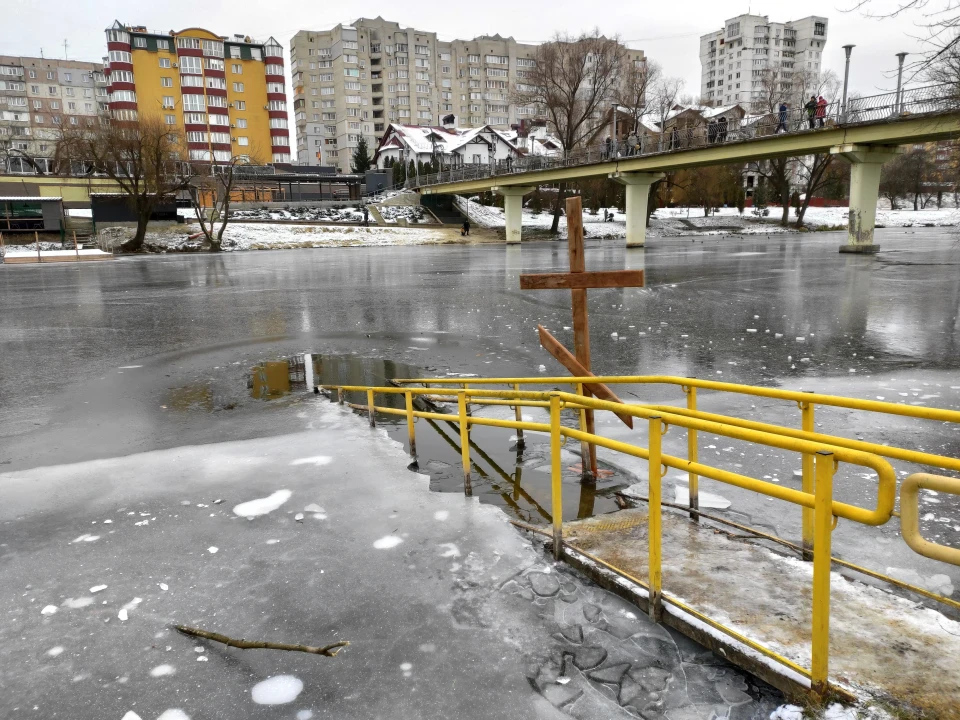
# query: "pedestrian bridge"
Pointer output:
{"type": "Point", "coordinates": [866, 133]}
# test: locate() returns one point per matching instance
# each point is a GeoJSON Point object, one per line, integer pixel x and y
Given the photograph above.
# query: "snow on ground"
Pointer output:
{"type": "Point", "coordinates": [266, 236]}
{"type": "Point", "coordinates": [691, 221]}
{"type": "Point", "coordinates": [411, 213]}
{"type": "Point", "coordinates": [305, 214]}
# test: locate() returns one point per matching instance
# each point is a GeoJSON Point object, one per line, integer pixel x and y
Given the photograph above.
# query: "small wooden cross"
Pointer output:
{"type": "Point", "coordinates": [577, 281]}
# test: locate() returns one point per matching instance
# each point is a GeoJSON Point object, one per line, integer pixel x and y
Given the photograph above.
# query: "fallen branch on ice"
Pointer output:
{"type": "Point", "coordinates": [327, 650]}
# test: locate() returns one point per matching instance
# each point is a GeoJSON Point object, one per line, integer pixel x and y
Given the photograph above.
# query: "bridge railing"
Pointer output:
{"type": "Point", "coordinates": [719, 129]}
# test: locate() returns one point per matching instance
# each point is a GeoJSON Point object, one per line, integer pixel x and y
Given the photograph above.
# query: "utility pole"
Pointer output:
{"type": "Point", "coordinates": [846, 79]}
{"type": "Point", "coordinates": [899, 103]}
{"type": "Point", "coordinates": [65, 49]}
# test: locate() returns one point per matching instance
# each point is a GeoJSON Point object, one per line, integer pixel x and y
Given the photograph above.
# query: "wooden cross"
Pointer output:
{"type": "Point", "coordinates": [577, 281]}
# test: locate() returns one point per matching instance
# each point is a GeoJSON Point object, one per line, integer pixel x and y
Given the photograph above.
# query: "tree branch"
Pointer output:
{"type": "Point", "coordinates": [327, 650]}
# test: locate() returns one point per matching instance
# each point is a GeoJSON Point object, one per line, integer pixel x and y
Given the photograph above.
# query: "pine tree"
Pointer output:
{"type": "Point", "coordinates": [361, 156]}
{"type": "Point", "coordinates": [399, 173]}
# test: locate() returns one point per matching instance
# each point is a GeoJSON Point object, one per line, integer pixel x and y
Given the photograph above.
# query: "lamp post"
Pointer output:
{"type": "Point", "coordinates": [615, 106]}
{"type": "Point", "coordinates": [899, 101]}
{"type": "Point", "coordinates": [846, 78]}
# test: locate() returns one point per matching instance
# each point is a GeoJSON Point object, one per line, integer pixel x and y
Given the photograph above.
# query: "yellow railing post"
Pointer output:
{"type": "Point", "coordinates": [584, 445]}
{"type": "Point", "coordinates": [467, 387]}
{"type": "Point", "coordinates": [654, 520]}
{"type": "Point", "coordinates": [823, 525]}
{"type": "Point", "coordinates": [464, 442]}
{"type": "Point", "coordinates": [556, 476]}
{"type": "Point", "coordinates": [519, 415]}
{"type": "Point", "coordinates": [370, 411]}
{"type": "Point", "coordinates": [693, 455]}
{"type": "Point", "coordinates": [808, 482]}
{"type": "Point", "coordinates": [411, 432]}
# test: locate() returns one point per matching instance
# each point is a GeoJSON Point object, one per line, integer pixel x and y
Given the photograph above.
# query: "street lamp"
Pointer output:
{"type": "Point", "coordinates": [899, 101]}
{"type": "Point", "coordinates": [615, 106]}
{"type": "Point", "coordinates": [846, 78]}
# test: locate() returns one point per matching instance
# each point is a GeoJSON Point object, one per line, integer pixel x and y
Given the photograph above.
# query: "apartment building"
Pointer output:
{"type": "Point", "coordinates": [226, 94]}
{"type": "Point", "coordinates": [37, 96]}
{"type": "Point", "coordinates": [739, 63]}
{"type": "Point", "coordinates": [355, 80]}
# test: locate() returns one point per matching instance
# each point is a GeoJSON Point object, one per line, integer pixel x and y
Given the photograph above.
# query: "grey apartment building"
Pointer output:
{"type": "Point", "coordinates": [356, 79]}
{"type": "Point", "coordinates": [37, 96]}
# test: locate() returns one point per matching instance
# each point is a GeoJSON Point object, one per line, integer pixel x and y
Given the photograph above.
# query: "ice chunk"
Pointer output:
{"type": "Point", "coordinates": [213, 549]}
{"type": "Point", "coordinates": [314, 508]}
{"type": "Point", "coordinates": [787, 712]}
{"type": "Point", "coordinates": [681, 496]}
{"type": "Point", "coordinates": [49, 610]}
{"type": "Point", "coordinates": [542, 368]}
{"type": "Point", "coordinates": [305, 715]}
{"type": "Point", "coordinates": [86, 537]}
{"type": "Point", "coordinates": [98, 588]}
{"type": "Point", "coordinates": [441, 515]}
{"type": "Point", "coordinates": [162, 671]}
{"type": "Point", "coordinates": [278, 690]}
{"type": "Point", "coordinates": [77, 603]}
{"type": "Point", "coordinates": [387, 542]}
{"type": "Point", "coordinates": [131, 715]}
{"type": "Point", "coordinates": [451, 550]}
{"type": "Point", "coordinates": [262, 506]}
{"type": "Point", "coordinates": [836, 711]}
{"type": "Point", "coordinates": [54, 651]}
{"type": "Point", "coordinates": [174, 714]}
{"type": "Point", "coordinates": [317, 460]}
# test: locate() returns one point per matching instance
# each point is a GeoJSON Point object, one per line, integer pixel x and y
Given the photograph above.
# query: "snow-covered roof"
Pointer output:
{"type": "Point", "coordinates": [444, 140]}
{"type": "Point", "coordinates": [24, 198]}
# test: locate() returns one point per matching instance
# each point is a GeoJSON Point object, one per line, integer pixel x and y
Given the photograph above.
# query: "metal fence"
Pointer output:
{"type": "Point", "coordinates": [887, 107]}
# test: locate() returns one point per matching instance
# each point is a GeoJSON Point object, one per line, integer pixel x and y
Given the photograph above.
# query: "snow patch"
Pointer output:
{"type": "Point", "coordinates": [77, 603]}
{"type": "Point", "coordinates": [213, 549]}
{"type": "Point", "coordinates": [387, 542]}
{"type": "Point", "coordinates": [174, 714]}
{"type": "Point", "coordinates": [262, 506]}
{"type": "Point", "coordinates": [441, 515]}
{"type": "Point", "coordinates": [86, 537]}
{"type": "Point", "coordinates": [451, 550]}
{"type": "Point", "coordinates": [317, 460]}
{"type": "Point", "coordinates": [681, 496]}
{"type": "Point", "coordinates": [98, 588]}
{"type": "Point", "coordinates": [49, 610]}
{"type": "Point", "coordinates": [314, 508]}
{"type": "Point", "coordinates": [131, 715]}
{"type": "Point", "coordinates": [162, 671]}
{"type": "Point", "coordinates": [54, 651]}
{"type": "Point", "coordinates": [787, 712]}
{"type": "Point", "coordinates": [305, 715]}
{"type": "Point", "coordinates": [278, 690]}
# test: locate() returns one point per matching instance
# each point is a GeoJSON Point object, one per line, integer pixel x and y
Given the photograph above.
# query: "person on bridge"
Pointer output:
{"type": "Point", "coordinates": [722, 129]}
{"type": "Point", "coordinates": [811, 108]}
{"type": "Point", "coordinates": [632, 143]}
{"type": "Point", "coordinates": [782, 118]}
{"type": "Point", "coordinates": [821, 111]}
{"type": "Point", "coordinates": [609, 147]}
{"type": "Point", "coordinates": [712, 132]}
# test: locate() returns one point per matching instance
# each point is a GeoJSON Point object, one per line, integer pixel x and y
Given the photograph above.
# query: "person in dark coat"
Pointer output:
{"type": "Point", "coordinates": [722, 129]}
{"type": "Point", "coordinates": [465, 230]}
{"type": "Point", "coordinates": [782, 118]}
{"type": "Point", "coordinates": [811, 108]}
{"type": "Point", "coordinates": [712, 131]}
{"type": "Point", "coordinates": [609, 146]}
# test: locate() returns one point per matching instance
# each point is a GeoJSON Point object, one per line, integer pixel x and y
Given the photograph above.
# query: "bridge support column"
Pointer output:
{"type": "Point", "coordinates": [513, 209]}
{"type": "Point", "coordinates": [637, 190]}
{"type": "Point", "coordinates": [866, 162]}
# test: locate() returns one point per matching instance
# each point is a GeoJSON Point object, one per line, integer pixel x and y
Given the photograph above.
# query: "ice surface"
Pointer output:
{"type": "Point", "coordinates": [449, 550]}
{"type": "Point", "coordinates": [162, 671]}
{"type": "Point", "coordinates": [387, 542]}
{"type": "Point", "coordinates": [86, 537]}
{"type": "Point", "coordinates": [441, 515]}
{"type": "Point", "coordinates": [262, 506]}
{"type": "Point", "coordinates": [277, 690]}
{"type": "Point", "coordinates": [317, 460]}
{"type": "Point", "coordinates": [314, 508]}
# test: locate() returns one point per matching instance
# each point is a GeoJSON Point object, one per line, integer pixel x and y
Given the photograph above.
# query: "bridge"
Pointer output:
{"type": "Point", "coordinates": [866, 132]}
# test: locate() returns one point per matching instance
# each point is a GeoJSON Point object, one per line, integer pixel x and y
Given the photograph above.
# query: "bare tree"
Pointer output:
{"type": "Point", "coordinates": [9, 151]}
{"type": "Point", "coordinates": [573, 78]}
{"type": "Point", "coordinates": [218, 187]}
{"type": "Point", "coordinates": [143, 157]}
{"type": "Point", "coordinates": [664, 96]}
{"type": "Point", "coordinates": [634, 93]}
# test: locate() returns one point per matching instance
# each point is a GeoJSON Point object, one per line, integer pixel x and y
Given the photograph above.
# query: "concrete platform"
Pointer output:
{"type": "Point", "coordinates": [56, 256]}
{"type": "Point", "coordinates": [883, 647]}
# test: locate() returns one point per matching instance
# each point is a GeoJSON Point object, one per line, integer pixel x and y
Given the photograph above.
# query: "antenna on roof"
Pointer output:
{"type": "Point", "coordinates": [65, 49]}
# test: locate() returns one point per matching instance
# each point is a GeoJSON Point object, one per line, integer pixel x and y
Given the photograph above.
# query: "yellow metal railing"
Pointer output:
{"type": "Point", "coordinates": [821, 453]}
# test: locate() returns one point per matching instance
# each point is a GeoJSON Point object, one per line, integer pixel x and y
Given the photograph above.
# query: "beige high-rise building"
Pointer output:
{"type": "Point", "coordinates": [37, 96]}
{"type": "Point", "coordinates": [356, 79]}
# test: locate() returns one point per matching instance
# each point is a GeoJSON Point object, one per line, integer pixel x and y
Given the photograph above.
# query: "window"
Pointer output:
{"type": "Point", "coordinates": [193, 103]}
{"type": "Point", "coordinates": [190, 64]}
{"type": "Point", "coordinates": [528, 62]}
{"type": "Point", "coordinates": [273, 70]}
{"type": "Point", "coordinates": [123, 96]}
{"type": "Point", "coordinates": [164, 63]}
{"type": "Point", "coordinates": [216, 101]}
{"type": "Point", "coordinates": [54, 105]}
{"type": "Point", "coordinates": [243, 140]}
{"type": "Point", "coordinates": [216, 83]}
{"type": "Point", "coordinates": [327, 91]}
{"type": "Point", "coordinates": [140, 42]}
{"type": "Point", "coordinates": [167, 101]}
{"type": "Point", "coordinates": [353, 112]}
{"type": "Point", "coordinates": [352, 99]}
{"type": "Point", "coordinates": [493, 72]}
{"type": "Point", "coordinates": [50, 72]}
{"type": "Point", "coordinates": [218, 119]}
{"type": "Point", "coordinates": [280, 140]}
{"type": "Point", "coordinates": [191, 81]}
{"type": "Point", "coordinates": [278, 105]}
{"type": "Point", "coordinates": [421, 50]}
{"type": "Point", "coordinates": [213, 64]}
{"type": "Point", "coordinates": [236, 68]}
{"type": "Point", "coordinates": [349, 58]}
{"type": "Point", "coordinates": [219, 137]}
{"type": "Point", "coordinates": [256, 54]}
{"type": "Point", "coordinates": [403, 74]}
{"type": "Point", "coordinates": [166, 82]}
{"type": "Point", "coordinates": [238, 87]}
{"type": "Point", "coordinates": [213, 48]}
{"type": "Point", "coordinates": [38, 104]}
{"type": "Point", "coordinates": [195, 118]}
{"type": "Point", "coordinates": [274, 87]}
{"type": "Point", "coordinates": [38, 119]}
{"type": "Point", "coordinates": [196, 136]}
{"type": "Point", "coordinates": [473, 58]}
{"type": "Point", "coordinates": [234, 52]}
{"type": "Point", "coordinates": [71, 106]}
{"type": "Point", "coordinates": [163, 45]}
{"type": "Point", "coordinates": [35, 89]}
{"type": "Point", "coordinates": [423, 89]}
{"type": "Point", "coordinates": [114, 55]}
{"type": "Point", "coordinates": [497, 59]}
{"type": "Point", "coordinates": [188, 43]}
{"type": "Point", "coordinates": [474, 71]}
{"type": "Point", "coordinates": [350, 72]}
{"type": "Point", "coordinates": [170, 119]}
{"type": "Point", "coordinates": [422, 62]}
{"type": "Point", "coordinates": [353, 126]}
{"type": "Point", "coordinates": [242, 122]}
{"type": "Point", "coordinates": [351, 86]}
{"type": "Point", "coordinates": [73, 121]}
{"type": "Point", "coordinates": [820, 28]}
{"type": "Point", "coordinates": [327, 103]}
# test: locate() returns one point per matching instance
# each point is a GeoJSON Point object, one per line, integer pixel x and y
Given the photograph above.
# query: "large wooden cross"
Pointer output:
{"type": "Point", "coordinates": [577, 281]}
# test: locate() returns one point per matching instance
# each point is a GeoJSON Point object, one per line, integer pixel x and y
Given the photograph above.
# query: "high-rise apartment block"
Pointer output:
{"type": "Point", "coordinates": [354, 80]}
{"type": "Point", "coordinates": [750, 53]}
{"type": "Point", "coordinates": [225, 94]}
{"type": "Point", "coordinates": [37, 96]}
